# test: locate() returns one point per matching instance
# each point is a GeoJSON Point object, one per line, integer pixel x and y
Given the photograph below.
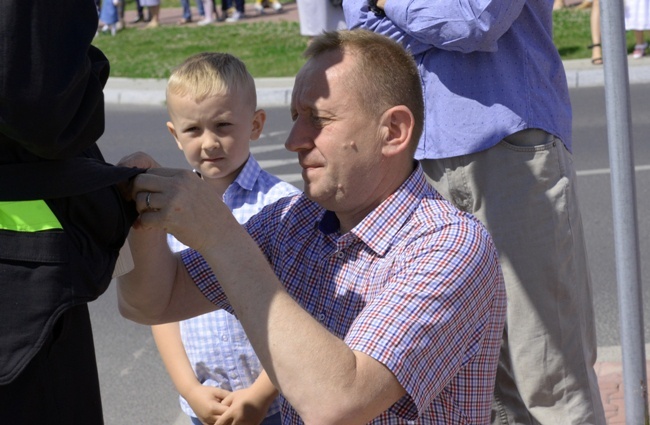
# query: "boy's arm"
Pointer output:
{"type": "Point", "coordinates": [205, 401]}
{"type": "Point", "coordinates": [249, 405]}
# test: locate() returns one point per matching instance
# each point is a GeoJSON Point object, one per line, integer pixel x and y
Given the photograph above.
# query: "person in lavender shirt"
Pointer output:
{"type": "Point", "coordinates": [497, 143]}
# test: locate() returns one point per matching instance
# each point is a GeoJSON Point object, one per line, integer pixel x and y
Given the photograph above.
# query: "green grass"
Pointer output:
{"type": "Point", "coordinates": [269, 49]}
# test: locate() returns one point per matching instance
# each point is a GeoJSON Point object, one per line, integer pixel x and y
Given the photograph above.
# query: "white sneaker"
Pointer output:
{"type": "Point", "coordinates": [259, 8]}
{"type": "Point", "coordinates": [236, 16]}
{"type": "Point", "coordinates": [277, 6]}
{"type": "Point", "coordinates": [639, 50]}
{"type": "Point", "coordinates": [204, 22]}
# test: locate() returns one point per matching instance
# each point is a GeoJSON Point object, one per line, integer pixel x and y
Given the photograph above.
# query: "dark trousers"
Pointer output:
{"type": "Point", "coordinates": [60, 385]}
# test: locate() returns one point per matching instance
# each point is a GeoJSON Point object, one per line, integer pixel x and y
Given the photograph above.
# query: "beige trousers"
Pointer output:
{"type": "Point", "coordinates": [523, 190]}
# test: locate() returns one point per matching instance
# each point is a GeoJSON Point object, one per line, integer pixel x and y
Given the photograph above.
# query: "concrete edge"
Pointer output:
{"type": "Point", "coordinates": [277, 91]}
{"type": "Point", "coordinates": [614, 353]}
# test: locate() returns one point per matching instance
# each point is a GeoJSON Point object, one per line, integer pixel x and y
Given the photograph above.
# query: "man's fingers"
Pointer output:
{"type": "Point", "coordinates": [154, 180]}
{"type": "Point", "coordinates": [139, 160]}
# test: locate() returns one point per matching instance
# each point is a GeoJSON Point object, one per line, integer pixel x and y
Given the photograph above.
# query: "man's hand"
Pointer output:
{"type": "Point", "coordinates": [180, 203]}
{"type": "Point", "coordinates": [139, 160]}
{"type": "Point", "coordinates": [134, 160]}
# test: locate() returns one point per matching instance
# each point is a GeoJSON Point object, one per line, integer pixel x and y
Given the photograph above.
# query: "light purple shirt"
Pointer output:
{"type": "Point", "coordinates": [216, 343]}
{"type": "Point", "coordinates": [489, 68]}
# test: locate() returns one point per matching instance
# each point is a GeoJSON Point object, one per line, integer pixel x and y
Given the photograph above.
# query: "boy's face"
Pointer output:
{"type": "Point", "coordinates": [214, 134]}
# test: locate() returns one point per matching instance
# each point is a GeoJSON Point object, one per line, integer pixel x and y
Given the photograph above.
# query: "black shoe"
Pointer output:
{"type": "Point", "coordinates": [138, 19]}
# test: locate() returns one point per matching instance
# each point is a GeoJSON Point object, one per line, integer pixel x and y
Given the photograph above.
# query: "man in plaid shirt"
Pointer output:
{"type": "Point", "coordinates": [369, 298]}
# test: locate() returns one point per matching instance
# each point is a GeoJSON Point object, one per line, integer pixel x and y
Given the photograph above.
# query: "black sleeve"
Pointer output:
{"type": "Point", "coordinates": [51, 78]}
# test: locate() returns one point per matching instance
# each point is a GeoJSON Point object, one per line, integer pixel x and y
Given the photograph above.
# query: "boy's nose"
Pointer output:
{"type": "Point", "coordinates": [209, 141]}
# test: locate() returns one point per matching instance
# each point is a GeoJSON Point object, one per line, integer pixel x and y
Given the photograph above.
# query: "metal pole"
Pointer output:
{"type": "Point", "coordinates": [617, 100]}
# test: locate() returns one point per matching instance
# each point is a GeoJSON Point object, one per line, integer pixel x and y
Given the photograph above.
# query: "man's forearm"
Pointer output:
{"type": "Point", "coordinates": [144, 292]}
{"type": "Point", "coordinates": [294, 348]}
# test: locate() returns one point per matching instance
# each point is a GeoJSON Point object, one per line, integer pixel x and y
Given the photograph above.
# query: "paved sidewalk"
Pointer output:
{"type": "Point", "coordinates": [610, 381]}
{"type": "Point", "coordinates": [277, 92]}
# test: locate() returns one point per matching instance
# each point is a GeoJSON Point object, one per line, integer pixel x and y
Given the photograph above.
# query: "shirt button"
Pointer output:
{"type": "Point", "coordinates": [340, 254]}
{"type": "Point", "coordinates": [224, 337]}
{"type": "Point", "coordinates": [321, 317]}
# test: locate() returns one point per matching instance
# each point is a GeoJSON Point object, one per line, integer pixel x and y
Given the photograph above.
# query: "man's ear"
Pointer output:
{"type": "Point", "coordinates": [397, 129]}
{"type": "Point", "coordinates": [259, 118]}
{"type": "Point", "coordinates": [172, 130]}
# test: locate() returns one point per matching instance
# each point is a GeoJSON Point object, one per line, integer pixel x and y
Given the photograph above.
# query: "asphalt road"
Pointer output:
{"type": "Point", "coordinates": [135, 387]}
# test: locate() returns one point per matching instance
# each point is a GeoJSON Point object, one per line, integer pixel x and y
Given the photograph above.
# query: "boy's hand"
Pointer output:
{"type": "Point", "coordinates": [206, 402]}
{"type": "Point", "coordinates": [245, 407]}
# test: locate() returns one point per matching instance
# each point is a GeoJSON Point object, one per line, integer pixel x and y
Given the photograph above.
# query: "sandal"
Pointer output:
{"type": "Point", "coordinates": [597, 60]}
{"type": "Point", "coordinates": [639, 50]}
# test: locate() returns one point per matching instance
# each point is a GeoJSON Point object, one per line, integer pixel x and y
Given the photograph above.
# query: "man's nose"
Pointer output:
{"type": "Point", "coordinates": [298, 139]}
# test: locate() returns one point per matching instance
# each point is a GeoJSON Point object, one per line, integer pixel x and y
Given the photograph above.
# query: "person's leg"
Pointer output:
{"type": "Point", "coordinates": [238, 13]}
{"type": "Point", "coordinates": [525, 195]}
{"type": "Point", "coordinates": [199, 8]}
{"type": "Point", "coordinates": [640, 46]}
{"type": "Point", "coordinates": [208, 7]}
{"type": "Point", "coordinates": [596, 50]}
{"type": "Point", "coordinates": [60, 385]}
{"type": "Point", "coordinates": [259, 7]}
{"type": "Point", "coordinates": [154, 12]}
{"type": "Point", "coordinates": [140, 11]}
{"type": "Point", "coordinates": [226, 8]}
{"type": "Point", "coordinates": [187, 11]}
{"type": "Point", "coordinates": [558, 4]}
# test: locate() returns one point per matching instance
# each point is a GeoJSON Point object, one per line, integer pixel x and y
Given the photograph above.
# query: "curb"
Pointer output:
{"type": "Point", "coordinates": [277, 91]}
{"type": "Point", "coordinates": [581, 73]}
{"type": "Point", "coordinates": [131, 91]}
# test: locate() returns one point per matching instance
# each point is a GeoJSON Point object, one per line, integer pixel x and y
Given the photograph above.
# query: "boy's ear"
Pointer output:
{"type": "Point", "coordinates": [396, 126]}
{"type": "Point", "coordinates": [172, 130]}
{"type": "Point", "coordinates": [259, 118]}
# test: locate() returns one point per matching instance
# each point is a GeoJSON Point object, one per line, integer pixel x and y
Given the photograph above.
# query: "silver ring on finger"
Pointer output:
{"type": "Point", "coordinates": [147, 200]}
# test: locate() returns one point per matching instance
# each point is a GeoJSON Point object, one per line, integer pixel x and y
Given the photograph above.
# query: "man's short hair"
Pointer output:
{"type": "Point", "coordinates": [210, 74]}
{"type": "Point", "coordinates": [387, 75]}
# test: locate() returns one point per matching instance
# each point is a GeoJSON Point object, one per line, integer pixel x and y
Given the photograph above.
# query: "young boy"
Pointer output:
{"type": "Point", "coordinates": [211, 101]}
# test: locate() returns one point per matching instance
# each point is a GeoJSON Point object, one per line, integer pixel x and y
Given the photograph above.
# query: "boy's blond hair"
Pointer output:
{"type": "Point", "coordinates": [210, 74]}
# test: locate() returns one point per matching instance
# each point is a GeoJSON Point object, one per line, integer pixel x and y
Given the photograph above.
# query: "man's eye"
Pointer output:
{"type": "Point", "coordinates": [319, 121]}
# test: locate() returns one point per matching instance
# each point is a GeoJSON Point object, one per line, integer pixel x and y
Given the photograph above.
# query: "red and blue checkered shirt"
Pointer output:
{"type": "Point", "coordinates": [416, 285]}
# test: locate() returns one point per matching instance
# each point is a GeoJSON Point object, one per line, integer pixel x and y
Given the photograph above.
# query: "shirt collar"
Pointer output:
{"type": "Point", "coordinates": [249, 174]}
{"type": "Point", "coordinates": [379, 228]}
